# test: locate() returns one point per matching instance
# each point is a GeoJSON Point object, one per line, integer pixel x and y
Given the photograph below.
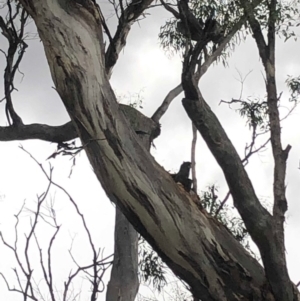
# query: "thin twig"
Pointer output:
{"type": "Point", "coordinates": [193, 158]}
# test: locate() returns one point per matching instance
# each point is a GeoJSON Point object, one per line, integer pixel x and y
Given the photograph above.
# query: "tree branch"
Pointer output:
{"type": "Point", "coordinates": [193, 158]}
{"type": "Point", "coordinates": [16, 47]}
{"type": "Point", "coordinates": [256, 29]}
{"type": "Point", "coordinates": [128, 16]}
{"type": "Point", "coordinates": [161, 110]}
{"type": "Point", "coordinates": [175, 13]}
{"type": "Point", "coordinates": [58, 134]}
{"type": "Point", "coordinates": [44, 132]}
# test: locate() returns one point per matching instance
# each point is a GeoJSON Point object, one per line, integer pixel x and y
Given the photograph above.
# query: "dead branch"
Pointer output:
{"type": "Point", "coordinates": [14, 54]}
{"type": "Point", "coordinates": [98, 266]}
{"type": "Point", "coordinates": [30, 288]}
{"type": "Point", "coordinates": [193, 158]}
{"type": "Point", "coordinates": [161, 110]}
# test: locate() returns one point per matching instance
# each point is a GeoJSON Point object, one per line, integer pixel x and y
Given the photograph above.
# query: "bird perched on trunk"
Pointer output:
{"type": "Point", "coordinates": [183, 176]}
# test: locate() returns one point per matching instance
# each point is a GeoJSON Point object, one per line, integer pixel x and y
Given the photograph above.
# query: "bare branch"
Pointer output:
{"type": "Point", "coordinates": [26, 269]}
{"type": "Point", "coordinates": [193, 158]}
{"type": "Point", "coordinates": [169, 8]}
{"type": "Point", "coordinates": [128, 16]}
{"type": "Point", "coordinates": [223, 203]}
{"type": "Point", "coordinates": [161, 110]}
{"type": "Point", "coordinates": [14, 55]}
{"type": "Point", "coordinates": [45, 132]}
{"type": "Point", "coordinates": [16, 290]}
{"type": "Point", "coordinates": [96, 275]}
{"type": "Point", "coordinates": [67, 132]}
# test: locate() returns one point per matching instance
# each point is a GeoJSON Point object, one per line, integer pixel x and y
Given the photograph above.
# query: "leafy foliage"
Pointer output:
{"type": "Point", "coordinates": [171, 40]}
{"type": "Point", "coordinates": [224, 215]}
{"type": "Point", "coordinates": [286, 18]}
{"type": "Point", "coordinates": [293, 84]}
{"type": "Point", "coordinates": [226, 14]}
{"type": "Point", "coordinates": [256, 113]}
{"type": "Point", "coordinates": [151, 267]}
{"type": "Point", "coordinates": [134, 100]}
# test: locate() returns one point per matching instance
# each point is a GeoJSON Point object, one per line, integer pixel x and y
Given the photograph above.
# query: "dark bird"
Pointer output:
{"type": "Point", "coordinates": [183, 176]}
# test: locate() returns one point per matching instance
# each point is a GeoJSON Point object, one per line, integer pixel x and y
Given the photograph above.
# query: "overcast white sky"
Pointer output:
{"type": "Point", "coordinates": [142, 66]}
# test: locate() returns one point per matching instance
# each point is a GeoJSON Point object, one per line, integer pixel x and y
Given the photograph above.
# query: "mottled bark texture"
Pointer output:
{"type": "Point", "coordinates": [197, 248]}
{"type": "Point", "coordinates": [124, 282]}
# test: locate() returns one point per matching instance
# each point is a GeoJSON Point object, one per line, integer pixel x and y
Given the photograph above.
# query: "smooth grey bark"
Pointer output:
{"type": "Point", "coordinates": [196, 247]}
{"type": "Point", "coordinates": [124, 282]}
{"type": "Point", "coordinates": [161, 110]}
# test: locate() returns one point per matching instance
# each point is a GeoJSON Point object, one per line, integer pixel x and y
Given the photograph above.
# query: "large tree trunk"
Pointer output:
{"type": "Point", "coordinates": [124, 282]}
{"type": "Point", "coordinates": [197, 248]}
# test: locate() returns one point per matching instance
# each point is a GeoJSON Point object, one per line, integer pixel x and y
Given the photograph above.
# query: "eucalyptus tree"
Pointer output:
{"type": "Point", "coordinates": [194, 245]}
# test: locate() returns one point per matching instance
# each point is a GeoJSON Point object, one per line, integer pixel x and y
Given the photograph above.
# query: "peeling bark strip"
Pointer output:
{"type": "Point", "coordinates": [199, 250]}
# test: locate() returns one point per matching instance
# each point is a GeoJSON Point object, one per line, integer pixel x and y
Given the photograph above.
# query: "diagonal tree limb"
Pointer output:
{"type": "Point", "coordinates": [221, 147]}
{"type": "Point", "coordinates": [161, 110]}
{"type": "Point", "coordinates": [128, 16]}
{"type": "Point", "coordinates": [209, 60]}
{"type": "Point", "coordinates": [169, 8]}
